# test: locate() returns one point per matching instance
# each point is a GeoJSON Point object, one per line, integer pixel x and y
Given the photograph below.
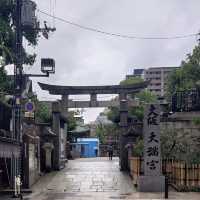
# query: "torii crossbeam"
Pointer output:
{"type": "Point", "coordinates": [107, 89]}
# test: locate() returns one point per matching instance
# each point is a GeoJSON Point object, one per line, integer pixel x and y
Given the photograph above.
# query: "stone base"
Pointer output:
{"type": "Point", "coordinates": [151, 184]}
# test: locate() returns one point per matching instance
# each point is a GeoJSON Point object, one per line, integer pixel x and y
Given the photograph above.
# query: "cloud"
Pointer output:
{"type": "Point", "coordinates": [87, 58]}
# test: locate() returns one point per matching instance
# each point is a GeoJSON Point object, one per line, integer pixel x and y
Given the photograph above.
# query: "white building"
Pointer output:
{"type": "Point", "coordinates": [157, 76]}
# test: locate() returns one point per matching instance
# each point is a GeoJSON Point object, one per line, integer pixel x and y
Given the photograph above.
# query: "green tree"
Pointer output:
{"type": "Point", "coordinates": [138, 148]}
{"type": "Point", "coordinates": [4, 82]}
{"type": "Point", "coordinates": [7, 34]}
{"type": "Point", "coordinates": [7, 42]}
{"type": "Point", "coordinates": [188, 75]}
{"type": "Point", "coordinates": [113, 114]}
{"type": "Point", "coordinates": [131, 80]}
{"type": "Point", "coordinates": [71, 121]}
{"type": "Point", "coordinates": [143, 97]}
{"type": "Point", "coordinates": [43, 114]}
{"type": "Point", "coordinates": [180, 145]}
{"type": "Point", "coordinates": [101, 133]}
{"type": "Point", "coordinates": [105, 130]}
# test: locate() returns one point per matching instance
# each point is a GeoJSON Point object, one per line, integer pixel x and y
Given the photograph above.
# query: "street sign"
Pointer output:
{"type": "Point", "coordinates": [29, 107]}
{"type": "Point", "coordinates": [29, 115]}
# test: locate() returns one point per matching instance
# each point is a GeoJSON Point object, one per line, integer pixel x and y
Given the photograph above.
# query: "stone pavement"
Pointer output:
{"type": "Point", "coordinates": [89, 179]}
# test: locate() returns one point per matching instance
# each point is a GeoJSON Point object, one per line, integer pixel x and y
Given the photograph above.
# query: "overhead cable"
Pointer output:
{"type": "Point", "coordinates": [118, 34]}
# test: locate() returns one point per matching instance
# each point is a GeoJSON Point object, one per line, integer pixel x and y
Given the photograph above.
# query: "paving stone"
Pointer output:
{"type": "Point", "coordinates": [93, 179]}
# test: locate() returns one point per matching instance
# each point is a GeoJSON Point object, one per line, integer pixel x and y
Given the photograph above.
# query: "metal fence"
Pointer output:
{"type": "Point", "coordinates": [186, 101]}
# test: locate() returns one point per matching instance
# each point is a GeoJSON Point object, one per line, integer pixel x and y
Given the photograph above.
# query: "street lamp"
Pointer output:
{"type": "Point", "coordinates": [48, 65]}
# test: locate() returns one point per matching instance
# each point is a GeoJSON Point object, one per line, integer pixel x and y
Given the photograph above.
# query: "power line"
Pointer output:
{"type": "Point", "coordinates": [118, 34]}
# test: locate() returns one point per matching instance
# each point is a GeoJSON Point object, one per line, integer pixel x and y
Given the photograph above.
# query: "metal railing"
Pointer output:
{"type": "Point", "coordinates": [186, 101]}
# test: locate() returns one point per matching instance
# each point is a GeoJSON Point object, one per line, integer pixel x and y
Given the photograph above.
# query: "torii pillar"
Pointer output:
{"type": "Point", "coordinates": [123, 127]}
{"type": "Point", "coordinates": [56, 113]}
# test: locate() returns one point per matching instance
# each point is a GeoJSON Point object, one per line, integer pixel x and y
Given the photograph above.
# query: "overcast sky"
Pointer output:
{"type": "Point", "coordinates": [88, 58]}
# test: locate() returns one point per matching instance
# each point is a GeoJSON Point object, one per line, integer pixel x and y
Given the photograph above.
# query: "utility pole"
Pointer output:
{"type": "Point", "coordinates": [18, 75]}
{"type": "Point", "coordinates": [18, 82]}
{"type": "Point", "coordinates": [24, 19]}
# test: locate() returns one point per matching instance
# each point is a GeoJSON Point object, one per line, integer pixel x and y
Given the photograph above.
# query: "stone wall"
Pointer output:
{"type": "Point", "coordinates": [182, 122]}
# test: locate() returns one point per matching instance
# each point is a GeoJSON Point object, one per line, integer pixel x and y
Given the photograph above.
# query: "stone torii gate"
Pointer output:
{"type": "Point", "coordinates": [93, 91]}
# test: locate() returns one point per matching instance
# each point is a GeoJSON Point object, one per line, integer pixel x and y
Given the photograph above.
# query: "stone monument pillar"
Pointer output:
{"type": "Point", "coordinates": [152, 181]}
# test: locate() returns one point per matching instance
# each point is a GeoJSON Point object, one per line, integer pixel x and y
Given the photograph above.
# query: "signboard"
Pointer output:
{"type": "Point", "coordinates": [29, 110]}
{"type": "Point", "coordinates": [152, 163]}
{"type": "Point", "coordinates": [30, 107]}
{"type": "Point", "coordinates": [29, 114]}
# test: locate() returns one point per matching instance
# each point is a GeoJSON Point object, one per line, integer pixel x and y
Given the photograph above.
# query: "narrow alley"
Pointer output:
{"type": "Point", "coordinates": [93, 178]}
{"type": "Point", "coordinates": [85, 179]}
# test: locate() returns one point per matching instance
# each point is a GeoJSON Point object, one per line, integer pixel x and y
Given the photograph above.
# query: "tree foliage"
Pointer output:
{"type": "Point", "coordinates": [188, 75]}
{"type": "Point", "coordinates": [8, 40]}
{"type": "Point", "coordinates": [113, 114]}
{"type": "Point", "coordinates": [71, 121]}
{"type": "Point", "coordinates": [180, 146]}
{"type": "Point", "coordinates": [103, 131]}
{"type": "Point", "coordinates": [7, 34]}
{"type": "Point", "coordinates": [174, 145]}
{"type": "Point", "coordinates": [43, 114]}
{"type": "Point", "coordinates": [143, 97]}
{"type": "Point", "coordinates": [138, 148]}
{"type": "Point", "coordinates": [4, 81]}
{"type": "Point", "coordinates": [131, 80]}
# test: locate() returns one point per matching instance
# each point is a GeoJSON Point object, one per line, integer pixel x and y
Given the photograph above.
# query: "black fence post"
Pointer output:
{"type": "Point", "coordinates": [166, 187]}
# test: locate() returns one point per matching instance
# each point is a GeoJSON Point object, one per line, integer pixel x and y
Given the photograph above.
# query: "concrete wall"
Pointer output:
{"type": "Point", "coordinates": [33, 164]}
{"type": "Point", "coordinates": [31, 159]}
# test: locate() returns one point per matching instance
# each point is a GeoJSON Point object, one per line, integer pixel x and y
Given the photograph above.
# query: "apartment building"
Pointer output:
{"type": "Point", "coordinates": [158, 79]}
{"type": "Point", "coordinates": [156, 75]}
